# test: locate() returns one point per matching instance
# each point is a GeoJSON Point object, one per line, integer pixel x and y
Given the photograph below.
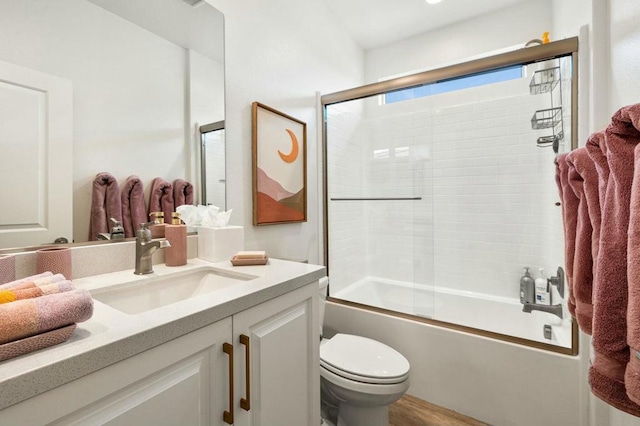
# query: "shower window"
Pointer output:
{"type": "Point", "coordinates": [466, 82]}
{"type": "Point", "coordinates": [435, 204]}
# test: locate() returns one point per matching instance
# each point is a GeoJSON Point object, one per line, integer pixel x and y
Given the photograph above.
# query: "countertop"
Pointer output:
{"type": "Point", "coordinates": [111, 336]}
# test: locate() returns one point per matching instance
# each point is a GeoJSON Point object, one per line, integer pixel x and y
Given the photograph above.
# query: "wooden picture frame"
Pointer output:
{"type": "Point", "coordinates": [279, 148]}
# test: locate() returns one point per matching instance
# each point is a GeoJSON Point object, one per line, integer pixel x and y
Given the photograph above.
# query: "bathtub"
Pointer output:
{"type": "Point", "coordinates": [499, 315]}
{"type": "Point", "coordinates": [496, 381]}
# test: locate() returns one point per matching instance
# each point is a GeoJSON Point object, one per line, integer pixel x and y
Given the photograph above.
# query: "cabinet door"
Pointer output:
{"type": "Point", "coordinates": [283, 375]}
{"type": "Point", "coordinates": [182, 382]}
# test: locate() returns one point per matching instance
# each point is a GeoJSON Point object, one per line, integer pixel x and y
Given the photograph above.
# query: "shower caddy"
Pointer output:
{"type": "Point", "coordinates": [545, 81]}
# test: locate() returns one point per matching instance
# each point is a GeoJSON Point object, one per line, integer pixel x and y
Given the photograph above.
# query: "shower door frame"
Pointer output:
{"type": "Point", "coordinates": [523, 56]}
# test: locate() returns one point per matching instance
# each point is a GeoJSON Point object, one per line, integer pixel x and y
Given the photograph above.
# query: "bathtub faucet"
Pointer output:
{"type": "Point", "coordinates": [552, 309]}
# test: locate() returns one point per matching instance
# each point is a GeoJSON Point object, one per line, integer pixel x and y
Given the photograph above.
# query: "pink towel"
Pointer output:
{"type": "Point", "coordinates": [44, 278]}
{"type": "Point", "coordinates": [161, 198]}
{"type": "Point", "coordinates": [611, 351]}
{"type": "Point", "coordinates": [105, 204]}
{"type": "Point", "coordinates": [8, 296]}
{"type": "Point", "coordinates": [570, 220]}
{"type": "Point", "coordinates": [28, 317]}
{"type": "Point", "coordinates": [583, 179]}
{"type": "Point", "coordinates": [632, 374]}
{"type": "Point", "coordinates": [182, 192]}
{"type": "Point", "coordinates": [134, 211]}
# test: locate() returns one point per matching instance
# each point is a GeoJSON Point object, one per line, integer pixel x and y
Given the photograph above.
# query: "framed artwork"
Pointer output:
{"type": "Point", "coordinates": [279, 145]}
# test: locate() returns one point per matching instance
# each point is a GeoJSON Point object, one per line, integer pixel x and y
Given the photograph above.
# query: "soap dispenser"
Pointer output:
{"type": "Point", "coordinates": [176, 234]}
{"type": "Point", "coordinates": [527, 287]}
{"type": "Point", "coordinates": [158, 229]}
{"type": "Point", "coordinates": [542, 289]}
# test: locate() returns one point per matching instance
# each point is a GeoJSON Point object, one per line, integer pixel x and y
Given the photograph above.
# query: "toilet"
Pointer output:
{"type": "Point", "coordinates": [359, 377]}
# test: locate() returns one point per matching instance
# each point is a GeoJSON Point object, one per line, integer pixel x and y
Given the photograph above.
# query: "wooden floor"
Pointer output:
{"type": "Point", "coordinates": [412, 411]}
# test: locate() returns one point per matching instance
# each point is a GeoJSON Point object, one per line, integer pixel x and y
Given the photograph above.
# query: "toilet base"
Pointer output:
{"type": "Point", "coordinates": [351, 415]}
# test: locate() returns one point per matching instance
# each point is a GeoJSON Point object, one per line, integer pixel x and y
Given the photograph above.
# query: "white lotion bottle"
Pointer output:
{"type": "Point", "coordinates": [542, 289]}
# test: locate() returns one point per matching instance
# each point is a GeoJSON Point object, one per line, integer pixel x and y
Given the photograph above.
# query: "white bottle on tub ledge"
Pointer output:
{"type": "Point", "coordinates": [543, 296]}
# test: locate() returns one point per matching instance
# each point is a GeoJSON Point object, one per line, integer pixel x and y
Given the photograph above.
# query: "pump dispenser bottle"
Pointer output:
{"type": "Point", "coordinates": [527, 287]}
{"type": "Point", "coordinates": [157, 230]}
{"type": "Point", "coordinates": [176, 234]}
{"type": "Point", "coordinates": [542, 290]}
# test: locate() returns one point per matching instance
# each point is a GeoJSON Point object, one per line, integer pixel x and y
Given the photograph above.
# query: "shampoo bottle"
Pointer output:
{"type": "Point", "coordinates": [542, 289]}
{"type": "Point", "coordinates": [176, 233]}
{"type": "Point", "coordinates": [527, 287]}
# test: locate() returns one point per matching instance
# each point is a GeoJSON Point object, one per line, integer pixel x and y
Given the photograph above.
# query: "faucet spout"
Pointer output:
{"type": "Point", "coordinates": [552, 309]}
{"type": "Point", "coordinates": [145, 247]}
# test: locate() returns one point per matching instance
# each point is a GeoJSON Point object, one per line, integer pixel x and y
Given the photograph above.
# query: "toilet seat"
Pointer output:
{"type": "Point", "coordinates": [363, 360]}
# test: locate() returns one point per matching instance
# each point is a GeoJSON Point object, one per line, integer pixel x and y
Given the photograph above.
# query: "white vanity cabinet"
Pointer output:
{"type": "Point", "coordinates": [186, 381]}
{"type": "Point", "coordinates": [279, 341]}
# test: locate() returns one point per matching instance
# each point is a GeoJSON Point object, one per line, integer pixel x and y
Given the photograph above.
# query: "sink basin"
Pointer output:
{"type": "Point", "coordinates": [156, 291]}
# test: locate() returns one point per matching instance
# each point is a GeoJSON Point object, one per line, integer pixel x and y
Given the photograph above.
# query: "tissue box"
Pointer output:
{"type": "Point", "coordinates": [218, 244]}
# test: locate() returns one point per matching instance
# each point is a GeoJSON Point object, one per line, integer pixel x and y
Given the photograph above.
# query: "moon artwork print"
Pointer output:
{"type": "Point", "coordinates": [279, 167]}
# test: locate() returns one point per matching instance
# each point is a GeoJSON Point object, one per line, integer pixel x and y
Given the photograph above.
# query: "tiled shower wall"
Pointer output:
{"type": "Point", "coordinates": [488, 192]}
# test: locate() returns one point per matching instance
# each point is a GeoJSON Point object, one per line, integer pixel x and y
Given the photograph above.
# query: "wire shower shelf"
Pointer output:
{"type": "Point", "coordinates": [544, 81]}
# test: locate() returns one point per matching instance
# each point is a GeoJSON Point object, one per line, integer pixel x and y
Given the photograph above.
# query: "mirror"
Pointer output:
{"type": "Point", "coordinates": [212, 153]}
{"type": "Point", "coordinates": [142, 76]}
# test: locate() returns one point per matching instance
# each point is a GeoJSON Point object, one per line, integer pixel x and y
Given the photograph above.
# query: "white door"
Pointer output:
{"type": "Point", "coordinates": [36, 145]}
{"type": "Point", "coordinates": [281, 341]}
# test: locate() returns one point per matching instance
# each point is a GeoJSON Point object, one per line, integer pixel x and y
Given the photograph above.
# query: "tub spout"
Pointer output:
{"type": "Point", "coordinates": [552, 309]}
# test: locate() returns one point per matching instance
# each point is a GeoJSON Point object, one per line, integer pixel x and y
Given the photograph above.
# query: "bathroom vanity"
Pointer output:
{"type": "Point", "coordinates": [244, 352]}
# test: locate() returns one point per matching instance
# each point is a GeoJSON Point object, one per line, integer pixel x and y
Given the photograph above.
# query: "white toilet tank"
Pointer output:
{"type": "Point", "coordinates": [323, 287]}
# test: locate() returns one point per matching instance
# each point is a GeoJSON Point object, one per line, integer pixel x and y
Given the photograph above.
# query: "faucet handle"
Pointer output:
{"type": "Point", "coordinates": [558, 281]}
{"type": "Point", "coordinates": [143, 232]}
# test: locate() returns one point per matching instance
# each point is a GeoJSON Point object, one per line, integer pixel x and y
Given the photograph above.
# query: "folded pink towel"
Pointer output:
{"type": "Point", "coordinates": [134, 211]}
{"type": "Point", "coordinates": [610, 297]}
{"type": "Point", "coordinates": [8, 296]}
{"type": "Point", "coordinates": [105, 204]}
{"type": "Point", "coordinates": [28, 317]}
{"type": "Point", "coordinates": [161, 198]}
{"type": "Point", "coordinates": [182, 192]}
{"type": "Point", "coordinates": [570, 220]}
{"type": "Point", "coordinates": [583, 179]}
{"type": "Point", "coordinates": [44, 278]}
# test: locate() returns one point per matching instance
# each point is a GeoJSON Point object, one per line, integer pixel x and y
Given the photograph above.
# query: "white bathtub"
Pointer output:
{"type": "Point", "coordinates": [495, 314]}
{"type": "Point", "coordinates": [498, 382]}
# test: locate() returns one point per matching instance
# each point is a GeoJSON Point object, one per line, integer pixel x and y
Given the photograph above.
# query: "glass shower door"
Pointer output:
{"type": "Point", "coordinates": [378, 209]}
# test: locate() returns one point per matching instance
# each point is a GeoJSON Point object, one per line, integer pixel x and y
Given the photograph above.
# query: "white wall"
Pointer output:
{"type": "Point", "coordinates": [504, 28]}
{"type": "Point", "coordinates": [280, 53]}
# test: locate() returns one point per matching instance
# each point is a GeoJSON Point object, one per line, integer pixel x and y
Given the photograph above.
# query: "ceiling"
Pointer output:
{"type": "Point", "coordinates": [375, 23]}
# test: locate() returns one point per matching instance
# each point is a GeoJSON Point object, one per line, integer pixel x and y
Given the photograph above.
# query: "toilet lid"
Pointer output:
{"type": "Point", "coordinates": [363, 359]}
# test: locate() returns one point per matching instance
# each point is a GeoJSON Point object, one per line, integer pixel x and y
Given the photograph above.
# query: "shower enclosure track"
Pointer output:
{"type": "Point", "coordinates": [378, 199]}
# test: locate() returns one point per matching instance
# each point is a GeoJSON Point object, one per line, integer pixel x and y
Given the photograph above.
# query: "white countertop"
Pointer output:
{"type": "Point", "coordinates": [111, 336]}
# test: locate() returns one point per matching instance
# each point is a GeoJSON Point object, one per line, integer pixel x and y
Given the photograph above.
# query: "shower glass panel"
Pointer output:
{"type": "Point", "coordinates": [438, 196]}
{"type": "Point", "coordinates": [379, 197]}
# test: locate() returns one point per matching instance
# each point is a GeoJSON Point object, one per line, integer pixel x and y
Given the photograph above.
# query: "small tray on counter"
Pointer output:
{"type": "Point", "coordinates": [35, 343]}
{"type": "Point", "coordinates": [235, 261]}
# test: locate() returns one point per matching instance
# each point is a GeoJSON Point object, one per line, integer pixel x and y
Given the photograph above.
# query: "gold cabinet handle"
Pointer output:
{"type": "Point", "coordinates": [227, 416]}
{"type": "Point", "coordinates": [246, 403]}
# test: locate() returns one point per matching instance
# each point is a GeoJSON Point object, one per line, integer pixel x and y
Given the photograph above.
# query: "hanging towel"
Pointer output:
{"type": "Point", "coordinates": [8, 296]}
{"type": "Point", "coordinates": [134, 211]}
{"type": "Point", "coordinates": [105, 204]}
{"type": "Point", "coordinates": [182, 192]}
{"type": "Point", "coordinates": [583, 179]}
{"type": "Point", "coordinates": [570, 219]}
{"type": "Point", "coordinates": [632, 374]}
{"type": "Point", "coordinates": [161, 198]}
{"type": "Point", "coordinates": [610, 297]}
{"type": "Point", "coordinates": [24, 318]}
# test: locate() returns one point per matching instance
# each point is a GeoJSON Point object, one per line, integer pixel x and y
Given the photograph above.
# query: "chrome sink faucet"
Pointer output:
{"type": "Point", "coordinates": [145, 247]}
{"type": "Point", "coordinates": [552, 309]}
